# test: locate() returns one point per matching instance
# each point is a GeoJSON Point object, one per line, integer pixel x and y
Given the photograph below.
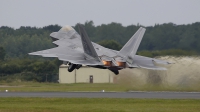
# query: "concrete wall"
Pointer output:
{"type": "Point", "coordinates": [99, 75]}
{"type": "Point", "coordinates": [83, 74]}
{"type": "Point", "coordinates": [65, 76]}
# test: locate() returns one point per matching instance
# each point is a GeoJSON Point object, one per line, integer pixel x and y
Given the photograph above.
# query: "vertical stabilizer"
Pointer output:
{"type": "Point", "coordinates": [87, 44]}
{"type": "Point", "coordinates": [130, 48]}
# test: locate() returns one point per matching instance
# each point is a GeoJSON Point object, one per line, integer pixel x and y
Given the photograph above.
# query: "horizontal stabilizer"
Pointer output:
{"type": "Point", "coordinates": [153, 67]}
{"type": "Point", "coordinates": [148, 63]}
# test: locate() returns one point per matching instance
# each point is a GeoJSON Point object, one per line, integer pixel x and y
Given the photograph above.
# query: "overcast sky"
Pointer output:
{"type": "Point", "coordinates": [39, 13]}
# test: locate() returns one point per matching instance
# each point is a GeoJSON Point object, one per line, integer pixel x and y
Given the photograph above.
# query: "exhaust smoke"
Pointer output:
{"type": "Point", "coordinates": [183, 75]}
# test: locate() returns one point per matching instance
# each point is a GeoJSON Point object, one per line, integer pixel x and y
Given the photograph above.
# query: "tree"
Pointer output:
{"type": "Point", "coordinates": [112, 44]}
{"type": "Point", "coordinates": [2, 53]}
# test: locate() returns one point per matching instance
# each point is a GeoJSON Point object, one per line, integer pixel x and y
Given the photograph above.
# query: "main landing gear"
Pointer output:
{"type": "Point", "coordinates": [73, 66]}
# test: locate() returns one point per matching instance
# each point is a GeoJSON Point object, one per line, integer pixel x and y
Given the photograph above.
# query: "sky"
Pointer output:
{"type": "Point", "coordinates": [40, 13]}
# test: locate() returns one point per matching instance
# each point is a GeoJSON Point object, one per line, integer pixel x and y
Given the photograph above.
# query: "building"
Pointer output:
{"type": "Point", "coordinates": [85, 74]}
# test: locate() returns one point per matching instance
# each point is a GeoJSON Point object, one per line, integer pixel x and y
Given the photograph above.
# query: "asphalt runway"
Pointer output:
{"type": "Point", "coordinates": [155, 95]}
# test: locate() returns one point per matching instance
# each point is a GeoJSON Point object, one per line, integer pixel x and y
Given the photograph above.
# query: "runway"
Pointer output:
{"type": "Point", "coordinates": [135, 94]}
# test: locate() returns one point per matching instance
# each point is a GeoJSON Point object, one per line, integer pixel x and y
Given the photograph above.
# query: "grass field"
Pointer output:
{"type": "Point", "coordinates": [97, 105]}
{"type": "Point", "coordinates": [30, 87]}
{"type": "Point", "coordinates": [16, 104]}
{"type": "Point", "coordinates": [45, 87]}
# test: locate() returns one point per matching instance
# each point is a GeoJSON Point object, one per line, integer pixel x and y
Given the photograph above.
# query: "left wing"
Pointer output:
{"type": "Point", "coordinates": [66, 54]}
{"type": "Point", "coordinates": [70, 48]}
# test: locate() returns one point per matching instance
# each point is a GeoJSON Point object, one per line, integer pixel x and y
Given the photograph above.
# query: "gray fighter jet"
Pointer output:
{"type": "Point", "coordinates": [77, 50]}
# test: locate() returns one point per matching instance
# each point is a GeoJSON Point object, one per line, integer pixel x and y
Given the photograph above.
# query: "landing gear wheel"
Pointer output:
{"type": "Point", "coordinates": [71, 67]}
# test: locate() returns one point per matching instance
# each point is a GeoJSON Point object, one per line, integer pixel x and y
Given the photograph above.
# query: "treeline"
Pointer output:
{"type": "Point", "coordinates": [18, 42]}
{"type": "Point", "coordinates": [159, 40]}
{"type": "Point", "coordinates": [157, 37]}
{"type": "Point", "coordinates": [171, 52]}
{"type": "Point", "coordinates": [29, 70]}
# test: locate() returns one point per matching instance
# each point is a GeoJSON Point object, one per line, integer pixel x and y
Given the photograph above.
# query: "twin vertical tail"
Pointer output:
{"type": "Point", "coordinates": [127, 52]}
{"type": "Point", "coordinates": [130, 48]}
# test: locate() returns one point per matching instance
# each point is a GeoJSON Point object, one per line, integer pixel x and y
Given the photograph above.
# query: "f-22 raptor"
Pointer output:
{"type": "Point", "coordinates": [76, 50]}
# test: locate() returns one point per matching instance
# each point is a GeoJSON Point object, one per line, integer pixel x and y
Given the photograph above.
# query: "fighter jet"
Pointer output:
{"type": "Point", "coordinates": [76, 50]}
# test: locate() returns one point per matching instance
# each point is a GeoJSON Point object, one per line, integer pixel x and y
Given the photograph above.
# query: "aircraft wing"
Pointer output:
{"type": "Point", "coordinates": [71, 48]}
{"type": "Point", "coordinates": [67, 54]}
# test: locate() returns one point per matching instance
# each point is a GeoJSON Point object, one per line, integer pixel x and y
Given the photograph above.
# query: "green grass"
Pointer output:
{"type": "Point", "coordinates": [45, 87]}
{"type": "Point", "coordinates": [15, 104]}
{"type": "Point", "coordinates": [29, 87]}
{"type": "Point", "coordinates": [97, 105]}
